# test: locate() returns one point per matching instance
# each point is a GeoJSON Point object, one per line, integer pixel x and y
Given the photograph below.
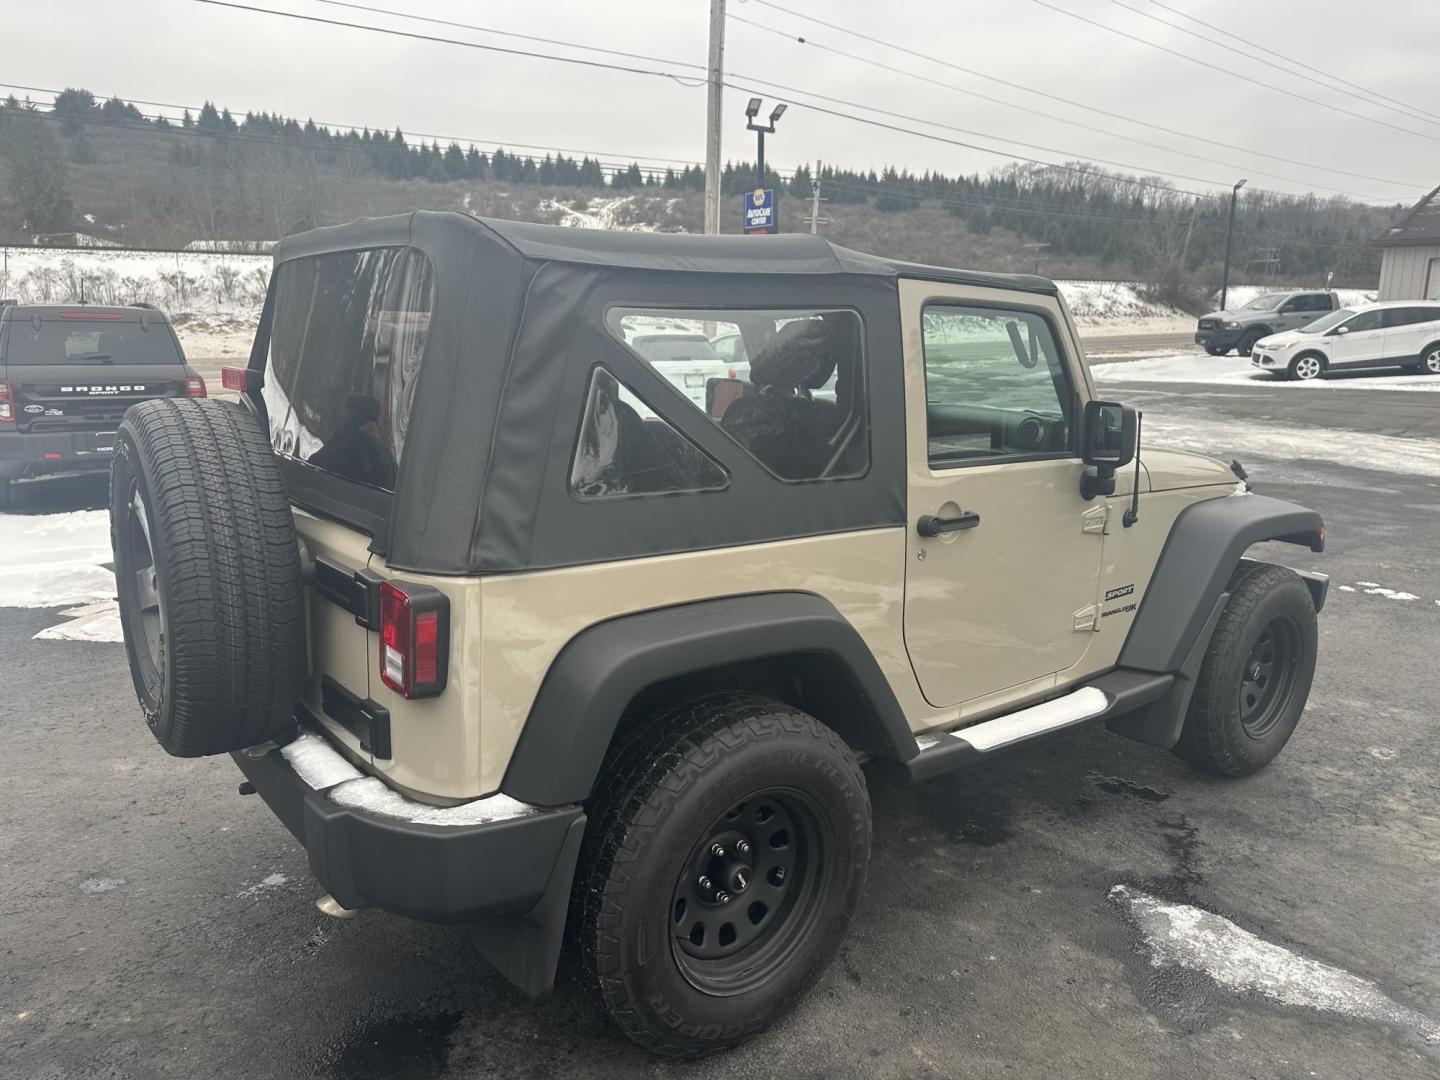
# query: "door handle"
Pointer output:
{"type": "Point", "coordinates": [930, 525]}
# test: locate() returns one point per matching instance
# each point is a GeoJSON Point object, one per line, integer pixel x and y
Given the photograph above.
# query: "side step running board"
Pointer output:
{"type": "Point", "coordinates": [1118, 692]}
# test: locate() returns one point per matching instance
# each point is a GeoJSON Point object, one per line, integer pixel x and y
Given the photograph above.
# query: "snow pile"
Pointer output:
{"type": "Point", "coordinates": [1178, 935]}
{"type": "Point", "coordinates": [56, 560]}
{"type": "Point", "coordinates": [99, 621]}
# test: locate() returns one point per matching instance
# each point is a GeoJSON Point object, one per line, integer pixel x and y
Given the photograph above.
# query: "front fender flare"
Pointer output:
{"type": "Point", "coordinates": [1202, 551]}
{"type": "Point", "coordinates": [601, 670]}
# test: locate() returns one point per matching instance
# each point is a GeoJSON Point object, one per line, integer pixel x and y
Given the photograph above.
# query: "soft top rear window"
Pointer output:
{"type": "Point", "coordinates": [75, 339]}
{"type": "Point", "coordinates": [346, 340]}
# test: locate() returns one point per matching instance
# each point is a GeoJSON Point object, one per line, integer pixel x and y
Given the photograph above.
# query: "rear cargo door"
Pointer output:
{"type": "Point", "coordinates": [79, 371]}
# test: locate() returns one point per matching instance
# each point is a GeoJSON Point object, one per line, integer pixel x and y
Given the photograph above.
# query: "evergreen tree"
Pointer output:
{"type": "Point", "coordinates": [38, 175]}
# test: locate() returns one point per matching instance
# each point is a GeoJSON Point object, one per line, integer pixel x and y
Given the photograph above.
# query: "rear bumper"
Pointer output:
{"type": "Point", "coordinates": [439, 873]}
{"type": "Point", "coordinates": [23, 454]}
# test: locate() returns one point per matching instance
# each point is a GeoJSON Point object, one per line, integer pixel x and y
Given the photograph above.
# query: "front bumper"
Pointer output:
{"type": "Point", "coordinates": [25, 454]}
{"type": "Point", "coordinates": [1218, 339]}
{"type": "Point", "coordinates": [1268, 361]}
{"type": "Point", "coordinates": [439, 873]}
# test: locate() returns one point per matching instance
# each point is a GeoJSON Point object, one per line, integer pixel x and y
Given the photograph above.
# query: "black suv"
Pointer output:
{"type": "Point", "coordinates": [67, 375]}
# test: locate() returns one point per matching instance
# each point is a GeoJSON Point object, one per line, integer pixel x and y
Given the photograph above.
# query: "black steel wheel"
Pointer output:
{"type": "Point", "coordinates": [725, 854]}
{"type": "Point", "coordinates": [1269, 673]}
{"type": "Point", "coordinates": [750, 890]}
{"type": "Point", "coordinates": [1255, 678]}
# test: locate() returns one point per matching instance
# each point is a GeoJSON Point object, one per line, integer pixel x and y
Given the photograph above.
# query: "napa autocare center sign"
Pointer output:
{"type": "Point", "coordinates": [760, 214]}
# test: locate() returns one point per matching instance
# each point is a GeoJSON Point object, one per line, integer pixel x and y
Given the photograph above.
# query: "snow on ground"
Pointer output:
{"type": "Point", "coordinates": [1238, 371]}
{"type": "Point", "coordinates": [1282, 443]}
{"type": "Point", "coordinates": [58, 560]}
{"type": "Point", "coordinates": [1178, 935]}
{"type": "Point", "coordinates": [599, 213]}
{"type": "Point", "coordinates": [1116, 307]}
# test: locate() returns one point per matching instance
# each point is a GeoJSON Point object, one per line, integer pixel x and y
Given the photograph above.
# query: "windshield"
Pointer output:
{"type": "Point", "coordinates": [1265, 302]}
{"type": "Point", "coordinates": [1326, 321]}
{"type": "Point", "coordinates": [90, 341]}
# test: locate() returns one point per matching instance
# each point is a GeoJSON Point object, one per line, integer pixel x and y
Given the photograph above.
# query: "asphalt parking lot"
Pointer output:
{"type": "Point", "coordinates": [154, 923]}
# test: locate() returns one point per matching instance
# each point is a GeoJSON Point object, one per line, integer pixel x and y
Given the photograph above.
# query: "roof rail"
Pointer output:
{"type": "Point", "coordinates": [142, 304]}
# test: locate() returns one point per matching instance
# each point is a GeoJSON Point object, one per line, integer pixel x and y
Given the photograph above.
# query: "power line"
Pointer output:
{"type": "Point", "coordinates": [1269, 65]}
{"type": "Point", "coordinates": [1210, 67]}
{"type": "Point", "coordinates": [1069, 101]}
{"type": "Point", "coordinates": [1415, 109]}
{"type": "Point", "coordinates": [581, 61]}
{"type": "Point", "coordinates": [1042, 113]}
{"type": "Point", "coordinates": [509, 33]}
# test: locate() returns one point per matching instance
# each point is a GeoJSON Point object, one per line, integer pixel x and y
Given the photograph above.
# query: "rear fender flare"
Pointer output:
{"type": "Point", "coordinates": [602, 669]}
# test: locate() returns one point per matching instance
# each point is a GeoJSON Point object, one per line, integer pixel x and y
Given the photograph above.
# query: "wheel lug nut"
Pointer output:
{"type": "Point", "coordinates": [705, 883]}
{"type": "Point", "coordinates": [717, 850]}
{"type": "Point", "coordinates": [743, 847]}
{"type": "Point", "coordinates": [723, 897]}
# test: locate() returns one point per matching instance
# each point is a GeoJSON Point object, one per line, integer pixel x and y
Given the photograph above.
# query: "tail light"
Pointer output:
{"type": "Point", "coordinates": [195, 386]}
{"type": "Point", "coordinates": [7, 404]}
{"type": "Point", "coordinates": [241, 379]}
{"type": "Point", "coordinates": [414, 639]}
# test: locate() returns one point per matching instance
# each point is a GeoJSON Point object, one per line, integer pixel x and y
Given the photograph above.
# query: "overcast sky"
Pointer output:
{"type": "Point", "coordinates": [184, 52]}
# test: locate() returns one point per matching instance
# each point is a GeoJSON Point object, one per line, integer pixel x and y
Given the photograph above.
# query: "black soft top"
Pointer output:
{"type": "Point", "coordinates": [518, 327]}
{"type": "Point", "coordinates": [788, 253]}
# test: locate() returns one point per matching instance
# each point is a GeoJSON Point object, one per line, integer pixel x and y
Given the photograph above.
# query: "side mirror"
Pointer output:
{"type": "Point", "coordinates": [1109, 434]}
{"type": "Point", "coordinates": [1342, 329]}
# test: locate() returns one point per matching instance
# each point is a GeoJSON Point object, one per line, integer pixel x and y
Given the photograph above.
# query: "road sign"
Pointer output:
{"type": "Point", "coordinates": [760, 216]}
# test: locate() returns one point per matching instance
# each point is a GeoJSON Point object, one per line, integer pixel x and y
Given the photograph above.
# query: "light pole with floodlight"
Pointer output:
{"type": "Point", "coordinates": [752, 110]}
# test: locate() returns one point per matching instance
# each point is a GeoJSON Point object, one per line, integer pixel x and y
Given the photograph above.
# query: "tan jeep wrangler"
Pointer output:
{"type": "Point", "coordinates": [512, 624]}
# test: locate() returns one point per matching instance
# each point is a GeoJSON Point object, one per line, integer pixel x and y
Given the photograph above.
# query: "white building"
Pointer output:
{"type": "Point", "coordinates": [1410, 262]}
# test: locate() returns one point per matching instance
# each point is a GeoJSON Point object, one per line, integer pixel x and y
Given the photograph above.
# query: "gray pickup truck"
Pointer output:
{"type": "Point", "coordinates": [1269, 313]}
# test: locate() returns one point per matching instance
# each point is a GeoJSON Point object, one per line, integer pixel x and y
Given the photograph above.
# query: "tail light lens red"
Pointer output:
{"type": "Point", "coordinates": [195, 386]}
{"type": "Point", "coordinates": [238, 378]}
{"type": "Point", "coordinates": [7, 404]}
{"type": "Point", "coordinates": [414, 639]}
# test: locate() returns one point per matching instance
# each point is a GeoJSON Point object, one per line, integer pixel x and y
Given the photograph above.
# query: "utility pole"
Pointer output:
{"type": "Point", "coordinates": [815, 220]}
{"type": "Point", "coordinates": [1185, 247]}
{"type": "Point", "coordinates": [1037, 249]}
{"type": "Point", "coordinates": [713, 108]}
{"type": "Point", "coordinates": [1229, 234]}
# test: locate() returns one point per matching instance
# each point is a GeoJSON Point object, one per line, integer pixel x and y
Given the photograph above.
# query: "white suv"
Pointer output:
{"type": "Point", "coordinates": [1398, 333]}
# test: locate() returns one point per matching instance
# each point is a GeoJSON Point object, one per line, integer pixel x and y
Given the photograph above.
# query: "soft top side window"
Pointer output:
{"type": "Point", "coordinates": [786, 385]}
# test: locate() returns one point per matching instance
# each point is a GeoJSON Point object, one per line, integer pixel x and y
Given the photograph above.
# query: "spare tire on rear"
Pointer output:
{"type": "Point", "coordinates": [208, 575]}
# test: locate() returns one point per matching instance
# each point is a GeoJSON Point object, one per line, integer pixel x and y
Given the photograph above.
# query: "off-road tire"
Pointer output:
{"type": "Point", "coordinates": [670, 781]}
{"type": "Point", "coordinates": [1247, 342]}
{"type": "Point", "coordinates": [1294, 371]}
{"type": "Point", "coordinates": [1215, 737]}
{"type": "Point", "coordinates": [1214, 351]}
{"type": "Point", "coordinates": [231, 653]}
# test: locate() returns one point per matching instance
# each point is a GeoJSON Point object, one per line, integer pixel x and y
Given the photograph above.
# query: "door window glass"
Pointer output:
{"type": "Point", "coordinates": [995, 386]}
{"type": "Point", "coordinates": [788, 386]}
{"type": "Point", "coordinates": [625, 448]}
{"type": "Point", "coordinates": [1366, 320]}
{"type": "Point", "coordinates": [346, 340]}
